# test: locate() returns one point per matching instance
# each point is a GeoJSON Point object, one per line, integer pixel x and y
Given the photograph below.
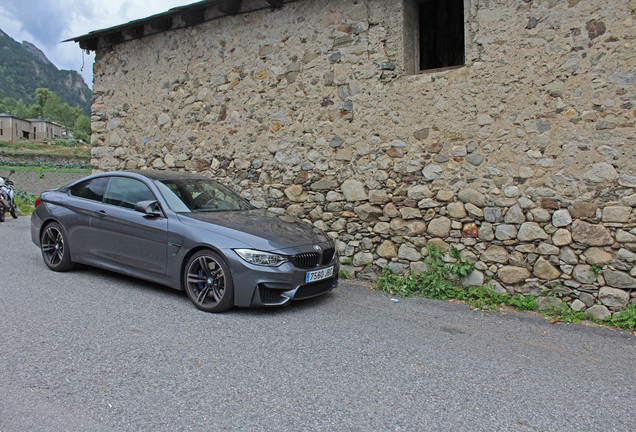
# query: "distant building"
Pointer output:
{"type": "Point", "coordinates": [13, 128]}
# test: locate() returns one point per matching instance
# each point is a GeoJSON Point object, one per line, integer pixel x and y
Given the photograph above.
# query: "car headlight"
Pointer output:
{"type": "Point", "coordinates": [261, 258]}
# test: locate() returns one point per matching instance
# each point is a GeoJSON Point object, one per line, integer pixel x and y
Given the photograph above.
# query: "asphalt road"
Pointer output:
{"type": "Point", "coordinates": [91, 351]}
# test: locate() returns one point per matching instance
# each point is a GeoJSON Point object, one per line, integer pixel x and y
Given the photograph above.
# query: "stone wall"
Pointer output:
{"type": "Point", "coordinates": [524, 159]}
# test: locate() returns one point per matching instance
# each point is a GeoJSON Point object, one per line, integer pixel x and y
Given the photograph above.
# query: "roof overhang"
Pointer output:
{"type": "Point", "coordinates": [175, 18]}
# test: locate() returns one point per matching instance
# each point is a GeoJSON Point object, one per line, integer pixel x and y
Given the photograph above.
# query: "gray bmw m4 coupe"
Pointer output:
{"type": "Point", "coordinates": [185, 231]}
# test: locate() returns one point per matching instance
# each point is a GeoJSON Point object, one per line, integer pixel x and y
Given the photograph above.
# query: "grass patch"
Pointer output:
{"type": "Point", "coordinates": [62, 148]}
{"type": "Point", "coordinates": [442, 281]}
{"type": "Point", "coordinates": [562, 313]}
{"type": "Point", "coordinates": [343, 274]}
{"type": "Point", "coordinates": [25, 203]}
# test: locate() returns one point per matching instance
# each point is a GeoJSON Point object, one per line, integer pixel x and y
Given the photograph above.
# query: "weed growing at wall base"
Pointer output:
{"type": "Point", "coordinates": [442, 281]}
{"type": "Point", "coordinates": [626, 318]}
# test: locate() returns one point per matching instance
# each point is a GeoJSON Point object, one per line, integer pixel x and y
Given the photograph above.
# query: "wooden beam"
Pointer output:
{"type": "Point", "coordinates": [230, 7]}
{"type": "Point", "coordinates": [89, 44]}
{"type": "Point", "coordinates": [114, 38]}
{"type": "Point", "coordinates": [133, 32]}
{"type": "Point", "coordinates": [194, 17]}
{"type": "Point", "coordinates": [161, 24]}
{"type": "Point", "coordinates": [275, 3]}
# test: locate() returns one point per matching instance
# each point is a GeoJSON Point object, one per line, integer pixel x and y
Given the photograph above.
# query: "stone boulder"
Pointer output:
{"type": "Point", "coordinates": [296, 193]}
{"type": "Point", "coordinates": [591, 234]}
{"type": "Point", "coordinates": [368, 212]}
{"type": "Point", "coordinates": [618, 214]}
{"type": "Point", "coordinates": [472, 196]}
{"type": "Point", "coordinates": [598, 256]}
{"type": "Point", "coordinates": [474, 279]}
{"type": "Point", "coordinates": [600, 173]}
{"type": "Point", "coordinates": [353, 190]}
{"type": "Point", "coordinates": [613, 297]}
{"type": "Point", "coordinates": [544, 270]}
{"type": "Point", "coordinates": [511, 275]}
{"type": "Point", "coordinates": [325, 185]}
{"type": "Point", "coordinates": [439, 227]}
{"type": "Point", "coordinates": [619, 279]}
{"type": "Point", "coordinates": [599, 312]}
{"type": "Point", "coordinates": [561, 218]}
{"type": "Point", "coordinates": [387, 250]}
{"type": "Point", "coordinates": [412, 227]}
{"type": "Point", "coordinates": [495, 253]}
{"type": "Point", "coordinates": [562, 237]}
{"type": "Point", "coordinates": [531, 231]}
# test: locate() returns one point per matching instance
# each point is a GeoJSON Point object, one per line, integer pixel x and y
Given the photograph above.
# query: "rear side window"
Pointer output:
{"type": "Point", "coordinates": [126, 192]}
{"type": "Point", "coordinates": [90, 189]}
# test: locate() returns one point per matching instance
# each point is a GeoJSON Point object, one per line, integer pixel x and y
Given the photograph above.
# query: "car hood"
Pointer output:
{"type": "Point", "coordinates": [258, 228]}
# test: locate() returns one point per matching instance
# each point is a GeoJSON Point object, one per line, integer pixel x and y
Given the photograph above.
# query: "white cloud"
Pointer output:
{"type": "Point", "coordinates": [45, 23]}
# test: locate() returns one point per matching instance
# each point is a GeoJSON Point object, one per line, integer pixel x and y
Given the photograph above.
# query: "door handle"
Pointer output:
{"type": "Point", "coordinates": [101, 213]}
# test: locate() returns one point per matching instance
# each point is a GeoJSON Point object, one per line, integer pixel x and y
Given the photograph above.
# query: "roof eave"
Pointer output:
{"type": "Point", "coordinates": [175, 18]}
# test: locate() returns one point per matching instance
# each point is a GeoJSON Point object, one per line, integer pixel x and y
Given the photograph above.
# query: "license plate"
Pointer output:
{"type": "Point", "coordinates": [317, 275]}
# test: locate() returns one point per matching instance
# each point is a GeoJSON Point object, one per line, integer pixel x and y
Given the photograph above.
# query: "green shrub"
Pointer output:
{"type": "Point", "coordinates": [626, 318]}
{"type": "Point", "coordinates": [520, 302]}
{"type": "Point", "coordinates": [440, 281]}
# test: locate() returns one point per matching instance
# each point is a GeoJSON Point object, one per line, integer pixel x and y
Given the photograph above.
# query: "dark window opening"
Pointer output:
{"type": "Point", "coordinates": [440, 34]}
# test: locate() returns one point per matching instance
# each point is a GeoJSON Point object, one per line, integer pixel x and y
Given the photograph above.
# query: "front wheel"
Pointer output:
{"type": "Point", "coordinates": [55, 251]}
{"type": "Point", "coordinates": [208, 282]}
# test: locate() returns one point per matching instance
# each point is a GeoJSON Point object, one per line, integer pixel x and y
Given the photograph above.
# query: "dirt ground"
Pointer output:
{"type": "Point", "coordinates": [34, 182]}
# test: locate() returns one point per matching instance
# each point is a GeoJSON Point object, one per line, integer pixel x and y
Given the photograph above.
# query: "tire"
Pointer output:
{"type": "Point", "coordinates": [14, 212]}
{"type": "Point", "coordinates": [1, 214]}
{"type": "Point", "coordinates": [208, 282]}
{"type": "Point", "coordinates": [55, 249]}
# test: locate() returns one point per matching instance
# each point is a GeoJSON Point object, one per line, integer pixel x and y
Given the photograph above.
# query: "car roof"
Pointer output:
{"type": "Point", "coordinates": [161, 175]}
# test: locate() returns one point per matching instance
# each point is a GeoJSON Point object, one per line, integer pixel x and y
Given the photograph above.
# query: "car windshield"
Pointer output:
{"type": "Point", "coordinates": [200, 195]}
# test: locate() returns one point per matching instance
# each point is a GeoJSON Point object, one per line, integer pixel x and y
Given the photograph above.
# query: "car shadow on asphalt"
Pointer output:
{"type": "Point", "coordinates": [140, 284]}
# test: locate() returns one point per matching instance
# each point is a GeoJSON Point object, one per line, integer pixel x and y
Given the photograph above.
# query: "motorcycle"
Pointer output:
{"type": "Point", "coordinates": [7, 198]}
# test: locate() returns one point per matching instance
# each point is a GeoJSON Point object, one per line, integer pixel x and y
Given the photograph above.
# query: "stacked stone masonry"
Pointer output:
{"type": "Point", "coordinates": [524, 159]}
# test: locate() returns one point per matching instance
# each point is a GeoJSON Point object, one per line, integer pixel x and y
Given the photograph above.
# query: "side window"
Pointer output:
{"type": "Point", "coordinates": [126, 192]}
{"type": "Point", "coordinates": [90, 189]}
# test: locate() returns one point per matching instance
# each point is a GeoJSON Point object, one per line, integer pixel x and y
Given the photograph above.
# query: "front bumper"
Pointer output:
{"type": "Point", "coordinates": [276, 286]}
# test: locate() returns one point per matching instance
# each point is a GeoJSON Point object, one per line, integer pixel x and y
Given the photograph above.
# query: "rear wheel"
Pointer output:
{"type": "Point", "coordinates": [14, 212]}
{"type": "Point", "coordinates": [208, 282]}
{"type": "Point", "coordinates": [55, 251]}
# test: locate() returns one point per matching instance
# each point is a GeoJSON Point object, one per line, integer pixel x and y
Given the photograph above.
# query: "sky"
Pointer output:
{"type": "Point", "coordinates": [45, 23]}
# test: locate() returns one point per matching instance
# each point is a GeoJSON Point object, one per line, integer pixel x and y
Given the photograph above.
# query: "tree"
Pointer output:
{"type": "Point", "coordinates": [82, 130]}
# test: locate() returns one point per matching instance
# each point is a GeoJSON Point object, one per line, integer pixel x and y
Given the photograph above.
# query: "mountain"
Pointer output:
{"type": "Point", "coordinates": [24, 68]}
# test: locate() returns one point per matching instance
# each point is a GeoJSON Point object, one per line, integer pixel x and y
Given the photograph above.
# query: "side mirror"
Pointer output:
{"type": "Point", "coordinates": [149, 208]}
